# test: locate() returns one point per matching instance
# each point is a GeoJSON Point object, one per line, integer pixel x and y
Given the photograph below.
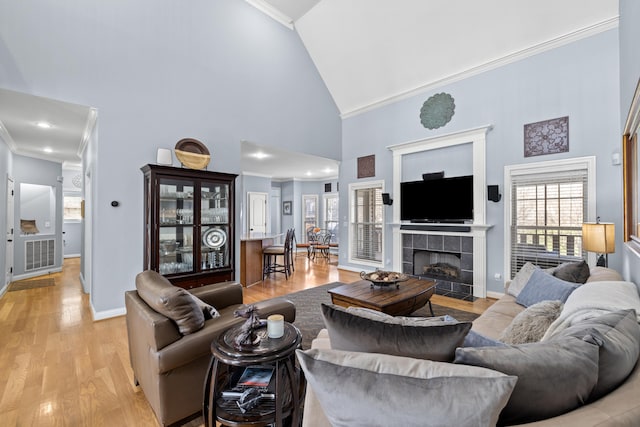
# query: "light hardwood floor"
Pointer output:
{"type": "Point", "coordinates": [60, 368]}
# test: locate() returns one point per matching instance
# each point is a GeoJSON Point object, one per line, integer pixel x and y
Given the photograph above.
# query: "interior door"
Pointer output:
{"type": "Point", "coordinates": [9, 243]}
{"type": "Point", "coordinates": [257, 212]}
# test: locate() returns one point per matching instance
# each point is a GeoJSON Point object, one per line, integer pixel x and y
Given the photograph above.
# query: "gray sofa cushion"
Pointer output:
{"type": "Point", "coordinates": [553, 377]}
{"type": "Point", "coordinates": [170, 301]}
{"type": "Point", "coordinates": [544, 287]}
{"type": "Point", "coordinates": [366, 389]}
{"type": "Point", "coordinates": [576, 272]}
{"type": "Point", "coordinates": [530, 325]}
{"type": "Point", "coordinates": [352, 332]}
{"type": "Point", "coordinates": [618, 335]}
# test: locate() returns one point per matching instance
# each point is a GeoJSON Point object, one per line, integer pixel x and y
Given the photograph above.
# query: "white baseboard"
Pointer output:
{"type": "Point", "coordinates": [107, 314]}
{"type": "Point", "coordinates": [72, 255]}
{"type": "Point", "coordinates": [496, 295]}
{"type": "Point", "coordinates": [85, 288]}
{"type": "Point", "coordinates": [37, 273]}
{"type": "Point", "coordinates": [4, 290]}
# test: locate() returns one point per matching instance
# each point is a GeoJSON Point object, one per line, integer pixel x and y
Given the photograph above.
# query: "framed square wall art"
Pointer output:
{"type": "Point", "coordinates": [286, 208]}
{"type": "Point", "coordinates": [546, 137]}
{"type": "Point", "coordinates": [367, 166]}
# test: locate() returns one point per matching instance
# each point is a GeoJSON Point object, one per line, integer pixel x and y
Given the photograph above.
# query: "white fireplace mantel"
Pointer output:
{"type": "Point", "coordinates": [478, 228]}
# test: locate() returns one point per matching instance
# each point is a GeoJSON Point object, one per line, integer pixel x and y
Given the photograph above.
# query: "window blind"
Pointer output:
{"type": "Point", "coordinates": [367, 224]}
{"type": "Point", "coordinates": [547, 213]}
{"type": "Point", "coordinates": [310, 213]}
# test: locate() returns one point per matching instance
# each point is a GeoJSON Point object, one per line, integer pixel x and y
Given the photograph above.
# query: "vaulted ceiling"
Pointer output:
{"type": "Point", "coordinates": [371, 52]}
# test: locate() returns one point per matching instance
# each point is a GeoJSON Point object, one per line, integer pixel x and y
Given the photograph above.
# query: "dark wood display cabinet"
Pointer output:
{"type": "Point", "coordinates": [189, 225]}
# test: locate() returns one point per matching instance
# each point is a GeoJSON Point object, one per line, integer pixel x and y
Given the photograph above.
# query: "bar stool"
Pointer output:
{"type": "Point", "coordinates": [270, 258]}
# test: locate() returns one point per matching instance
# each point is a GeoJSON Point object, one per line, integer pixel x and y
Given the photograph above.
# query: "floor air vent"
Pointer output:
{"type": "Point", "coordinates": [39, 254]}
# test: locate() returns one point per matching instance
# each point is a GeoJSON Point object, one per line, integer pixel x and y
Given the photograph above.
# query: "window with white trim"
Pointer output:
{"type": "Point", "coordinates": [549, 203]}
{"type": "Point", "coordinates": [331, 216]}
{"type": "Point", "coordinates": [309, 213]}
{"type": "Point", "coordinates": [72, 208]}
{"type": "Point", "coordinates": [366, 231]}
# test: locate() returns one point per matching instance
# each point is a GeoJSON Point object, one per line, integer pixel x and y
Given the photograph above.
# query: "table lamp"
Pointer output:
{"type": "Point", "coordinates": [599, 237]}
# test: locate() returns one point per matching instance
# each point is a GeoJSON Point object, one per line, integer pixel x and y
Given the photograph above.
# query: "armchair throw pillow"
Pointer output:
{"type": "Point", "coordinates": [171, 301]}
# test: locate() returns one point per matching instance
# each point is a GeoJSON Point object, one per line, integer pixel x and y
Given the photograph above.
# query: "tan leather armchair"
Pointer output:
{"type": "Point", "coordinates": [171, 366]}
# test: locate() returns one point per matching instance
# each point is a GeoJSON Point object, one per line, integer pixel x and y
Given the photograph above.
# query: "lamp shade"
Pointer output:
{"type": "Point", "coordinates": [598, 237]}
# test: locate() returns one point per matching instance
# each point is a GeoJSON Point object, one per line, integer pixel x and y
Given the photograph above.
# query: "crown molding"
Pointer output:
{"type": "Point", "coordinates": [4, 134]}
{"type": "Point", "coordinates": [505, 60]}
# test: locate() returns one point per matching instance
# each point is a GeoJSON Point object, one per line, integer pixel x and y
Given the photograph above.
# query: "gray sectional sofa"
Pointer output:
{"type": "Point", "coordinates": [619, 407]}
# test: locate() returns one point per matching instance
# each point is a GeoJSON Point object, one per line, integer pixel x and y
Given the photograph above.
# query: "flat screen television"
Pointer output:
{"type": "Point", "coordinates": [437, 200]}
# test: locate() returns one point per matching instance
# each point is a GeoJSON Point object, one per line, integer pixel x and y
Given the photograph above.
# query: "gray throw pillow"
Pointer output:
{"type": "Point", "coordinates": [351, 332]}
{"type": "Point", "coordinates": [544, 287]}
{"type": "Point", "coordinates": [171, 301]}
{"type": "Point", "coordinates": [521, 278]}
{"type": "Point", "coordinates": [475, 339]}
{"type": "Point", "coordinates": [576, 272]}
{"type": "Point", "coordinates": [618, 335]}
{"type": "Point", "coordinates": [553, 377]}
{"type": "Point", "coordinates": [531, 324]}
{"type": "Point", "coordinates": [364, 389]}
{"type": "Point", "coordinates": [208, 310]}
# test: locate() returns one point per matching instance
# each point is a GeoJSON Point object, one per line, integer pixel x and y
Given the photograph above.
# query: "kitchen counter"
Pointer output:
{"type": "Point", "coordinates": [251, 246]}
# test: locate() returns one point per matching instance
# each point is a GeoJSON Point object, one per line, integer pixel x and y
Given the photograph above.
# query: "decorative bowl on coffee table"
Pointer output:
{"type": "Point", "coordinates": [384, 278]}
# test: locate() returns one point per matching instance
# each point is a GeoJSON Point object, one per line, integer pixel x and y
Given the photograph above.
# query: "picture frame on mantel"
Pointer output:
{"type": "Point", "coordinates": [286, 208]}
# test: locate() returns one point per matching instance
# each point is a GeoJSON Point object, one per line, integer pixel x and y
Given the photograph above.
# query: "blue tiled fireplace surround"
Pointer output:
{"type": "Point", "coordinates": [421, 248]}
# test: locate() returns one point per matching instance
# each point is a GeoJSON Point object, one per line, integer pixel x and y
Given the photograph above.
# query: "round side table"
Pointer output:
{"type": "Point", "coordinates": [228, 360]}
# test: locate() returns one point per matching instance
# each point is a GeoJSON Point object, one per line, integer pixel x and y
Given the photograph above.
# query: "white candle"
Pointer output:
{"type": "Point", "coordinates": [275, 325]}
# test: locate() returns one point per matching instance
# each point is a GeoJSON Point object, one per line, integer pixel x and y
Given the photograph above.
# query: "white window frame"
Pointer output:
{"type": "Point", "coordinates": [551, 166]}
{"type": "Point", "coordinates": [352, 189]}
{"type": "Point", "coordinates": [64, 196]}
{"type": "Point", "coordinates": [303, 219]}
{"type": "Point", "coordinates": [325, 198]}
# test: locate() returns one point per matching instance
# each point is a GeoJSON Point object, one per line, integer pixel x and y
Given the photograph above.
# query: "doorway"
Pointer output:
{"type": "Point", "coordinates": [257, 212]}
{"type": "Point", "coordinates": [9, 243]}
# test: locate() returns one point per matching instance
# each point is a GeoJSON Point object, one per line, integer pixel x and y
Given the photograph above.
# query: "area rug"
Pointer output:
{"type": "Point", "coordinates": [309, 316]}
{"type": "Point", "coordinates": [22, 285]}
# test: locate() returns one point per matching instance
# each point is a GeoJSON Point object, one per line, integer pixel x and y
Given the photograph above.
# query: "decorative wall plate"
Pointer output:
{"type": "Point", "coordinates": [437, 111]}
{"type": "Point", "coordinates": [192, 153]}
{"type": "Point", "coordinates": [214, 238]}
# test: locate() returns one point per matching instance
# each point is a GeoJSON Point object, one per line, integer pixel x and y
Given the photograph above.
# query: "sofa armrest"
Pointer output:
{"type": "Point", "coordinates": [220, 295]}
{"type": "Point", "coordinates": [146, 326]}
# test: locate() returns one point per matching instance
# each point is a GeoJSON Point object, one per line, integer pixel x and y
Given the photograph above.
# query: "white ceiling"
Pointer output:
{"type": "Point", "coordinates": [368, 52]}
{"type": "Point", "coordinates": [19, 117]}
{"type": "Point", "coordinates": [281, 165]}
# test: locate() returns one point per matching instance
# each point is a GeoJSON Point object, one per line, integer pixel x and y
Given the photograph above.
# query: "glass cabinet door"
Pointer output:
{"type": "Point", "coordinates": [176, 226]}
{"type": "Point", "coordinates": [214, 220]}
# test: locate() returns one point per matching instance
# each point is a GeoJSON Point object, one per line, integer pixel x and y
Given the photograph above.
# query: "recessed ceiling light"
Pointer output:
{"type": "Point", "coordinates": [260, 155]}
{"type": "Point", "coordinates": [308, 173]}
{"type": "Point", "coordinates": [328, 170]}
{"type": "Point", "coordinates": [44, 125]}
{"type": "Point", "coordinates": [47, 150]}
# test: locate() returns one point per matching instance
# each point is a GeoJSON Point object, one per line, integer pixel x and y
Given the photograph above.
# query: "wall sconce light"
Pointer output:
{"type": "Point", "coordinates": [386, 199]}
{"type": "Point", "coordinates": [493, 193]}
{"type": "Point", "coordinates": [599, 237]}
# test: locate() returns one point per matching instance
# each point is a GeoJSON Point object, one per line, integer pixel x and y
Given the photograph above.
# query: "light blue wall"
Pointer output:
{"type": "Point", "coordinates": [158, 71]}
{"type": "Point", "coordinates": [35, 171]}
{"type": "Point", "coordinates": [579, 80]}
{"type": "Point", "coordinates": [629, 75]}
